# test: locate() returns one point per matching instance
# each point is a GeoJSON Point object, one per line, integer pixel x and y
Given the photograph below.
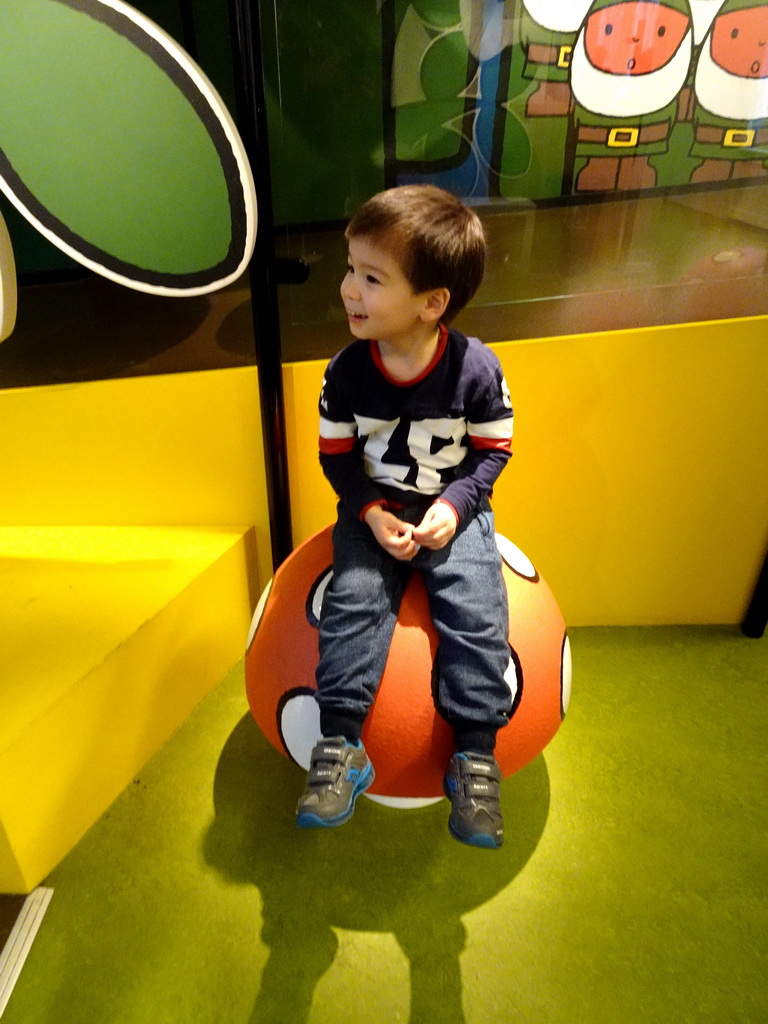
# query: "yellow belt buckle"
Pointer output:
{"type": "Point", "coordinates": [564, 56]}
{"type": "Point", "coordinates": [739, 137]}
{"type": "Point", "coordinates": [623, 137]}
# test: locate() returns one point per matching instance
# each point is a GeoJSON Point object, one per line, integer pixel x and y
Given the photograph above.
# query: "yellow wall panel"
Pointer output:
{"type": "Point", "coordinates": [61, 769]}
{"type": "Point", "coordinates": [313, 503]}
{"type": "Point", "coordinates": [175, 449]}
{"type": "Point", "coordinates": [639, 482]}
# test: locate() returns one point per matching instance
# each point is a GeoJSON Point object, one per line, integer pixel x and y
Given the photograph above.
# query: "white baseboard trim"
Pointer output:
{"type": "Point", "coordinates": [20, 941]}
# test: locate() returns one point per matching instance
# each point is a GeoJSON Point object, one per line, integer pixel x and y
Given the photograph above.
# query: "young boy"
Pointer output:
{"type": "Point", "coordinates": [415, 427]}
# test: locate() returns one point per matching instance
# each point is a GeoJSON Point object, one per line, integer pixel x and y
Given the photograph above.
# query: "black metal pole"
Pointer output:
{"type": "Point", "coordinates": [188, 30]}
{"type": "Point", "coordinates": [252, 124]}
{"type": "Point", "coordinates": [756, 619]}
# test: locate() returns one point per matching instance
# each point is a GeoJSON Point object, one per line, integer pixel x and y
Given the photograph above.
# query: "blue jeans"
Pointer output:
{"type": "Point", "coordinates": [468, 602]}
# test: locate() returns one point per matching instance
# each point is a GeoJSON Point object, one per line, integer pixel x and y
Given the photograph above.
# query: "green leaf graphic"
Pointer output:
{"type": "Point", "coordinates": [118, 149]}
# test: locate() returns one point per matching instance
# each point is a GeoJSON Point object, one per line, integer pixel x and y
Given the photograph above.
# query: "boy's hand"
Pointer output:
{"type": "Point", "coordinates": [437, 527]}
{"type": "Point", "coordinates": [395, 536]}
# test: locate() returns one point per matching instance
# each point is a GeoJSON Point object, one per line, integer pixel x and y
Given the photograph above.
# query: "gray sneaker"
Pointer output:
{"type": "Point", "coordinates": [339, 772]}
{"type": "Point", "coordinates": [472, 785]}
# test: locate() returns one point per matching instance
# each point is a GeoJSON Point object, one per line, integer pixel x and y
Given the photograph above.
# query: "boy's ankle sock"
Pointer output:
{"type": "Point", "coordinates": [474, 737]}
{"type": "Point", "coordinates": [333, 724]}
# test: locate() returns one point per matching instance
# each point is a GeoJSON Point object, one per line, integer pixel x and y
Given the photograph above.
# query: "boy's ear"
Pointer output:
{"type": "Point", "coordinates": [435, 304]}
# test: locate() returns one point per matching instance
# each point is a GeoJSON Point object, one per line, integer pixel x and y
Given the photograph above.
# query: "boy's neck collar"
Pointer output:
{"type": "Point", "coordinates": [442, 341]}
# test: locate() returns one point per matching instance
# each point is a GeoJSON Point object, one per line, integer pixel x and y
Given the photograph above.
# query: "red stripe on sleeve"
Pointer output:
{"type": "Point", "coordinates": [502, 444]}
{"type": "Point", "coordinates": [372, 504]}
{"type": "Point", "coordinates": [336, 446]}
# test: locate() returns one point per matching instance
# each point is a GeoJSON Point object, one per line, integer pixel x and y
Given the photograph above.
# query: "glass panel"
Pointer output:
{"type": "Point", "coordinates": [598, 216]}
{"type": "Point", "coordinates": [73, 324]}
{"type": "Point", "coordinates": [617, 151]}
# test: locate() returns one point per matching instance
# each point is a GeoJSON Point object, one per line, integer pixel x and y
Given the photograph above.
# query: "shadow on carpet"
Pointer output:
{"type": "Point", "coordinates": [387, 870]}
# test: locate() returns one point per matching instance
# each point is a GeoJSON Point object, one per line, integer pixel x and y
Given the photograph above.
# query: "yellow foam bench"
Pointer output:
{"type": "Point", "coordinates": [110, 636]}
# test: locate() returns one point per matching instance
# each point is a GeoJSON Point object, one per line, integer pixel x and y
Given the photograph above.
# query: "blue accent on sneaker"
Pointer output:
{"type": "Point", "coordinates": [471, 783]}
{"type": "Point", "coordinates": [479, 839]}
{"type": "Point", "coordinates": [308, 820]}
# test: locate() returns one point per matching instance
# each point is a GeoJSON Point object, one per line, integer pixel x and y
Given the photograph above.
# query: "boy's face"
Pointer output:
{"type": "Point", "coordinates": [379, 301]}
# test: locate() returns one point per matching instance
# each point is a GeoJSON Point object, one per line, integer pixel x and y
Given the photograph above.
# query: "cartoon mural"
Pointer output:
{"type": "Point", "coordinates": [510, 99]}
{"type": "Point", "coordinates": [434, 84]}
{"type": "Point", "coordinates": [630, 63]}
{"type": "Point", "coordinates": [548, 30]}
{"type": "Point", "coordinates": [544, 98]}
{"type": "Point", "coordinates": [446, 69]}
{"type": "Point", "coordinates": [731, 95]}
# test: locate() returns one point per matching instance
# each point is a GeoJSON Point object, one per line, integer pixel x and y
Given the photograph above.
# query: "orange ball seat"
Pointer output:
{"type": "Point", "coordinates": [406, 739]}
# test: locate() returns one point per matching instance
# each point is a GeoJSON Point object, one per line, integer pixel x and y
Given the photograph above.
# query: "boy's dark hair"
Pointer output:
{"type": "Point", "coordinates": [436, 239]}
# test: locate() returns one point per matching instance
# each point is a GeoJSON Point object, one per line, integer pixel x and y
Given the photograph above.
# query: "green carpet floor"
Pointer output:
{"type": "Point", "coordinates": [632, 886]}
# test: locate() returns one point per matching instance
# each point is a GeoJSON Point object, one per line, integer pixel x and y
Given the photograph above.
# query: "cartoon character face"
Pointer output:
{"type": "Point", "coordinates": [634, 38]}
{"type": "Point", "coordinates": [740, 42]}
{"type": "Point", "coordinates": [732, 68]}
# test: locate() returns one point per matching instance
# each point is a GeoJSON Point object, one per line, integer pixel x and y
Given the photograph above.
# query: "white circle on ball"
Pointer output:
{"type": "Point", "coordinates": [404, 803]}
{"type": "Point", "coordinates": [319, 593]}
{"type": "Point", "coordinates": [257, 615]}
{"type": "Point", "coordinates": [567, 671]}
{"type": "Point", "coordinates": [300, 727]}
{"type": "Point", "coordinates": [510, 678]}
{"type": "Point", "coordinates": [515, 558]}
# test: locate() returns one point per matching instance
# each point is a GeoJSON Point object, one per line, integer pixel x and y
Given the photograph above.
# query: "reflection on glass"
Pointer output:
{"type": "Point", "coordinates": [617, 151]}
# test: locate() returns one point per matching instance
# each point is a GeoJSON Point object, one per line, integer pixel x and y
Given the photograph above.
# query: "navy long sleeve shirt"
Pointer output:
{"type": "Point", "coordinates": [446, 434]}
